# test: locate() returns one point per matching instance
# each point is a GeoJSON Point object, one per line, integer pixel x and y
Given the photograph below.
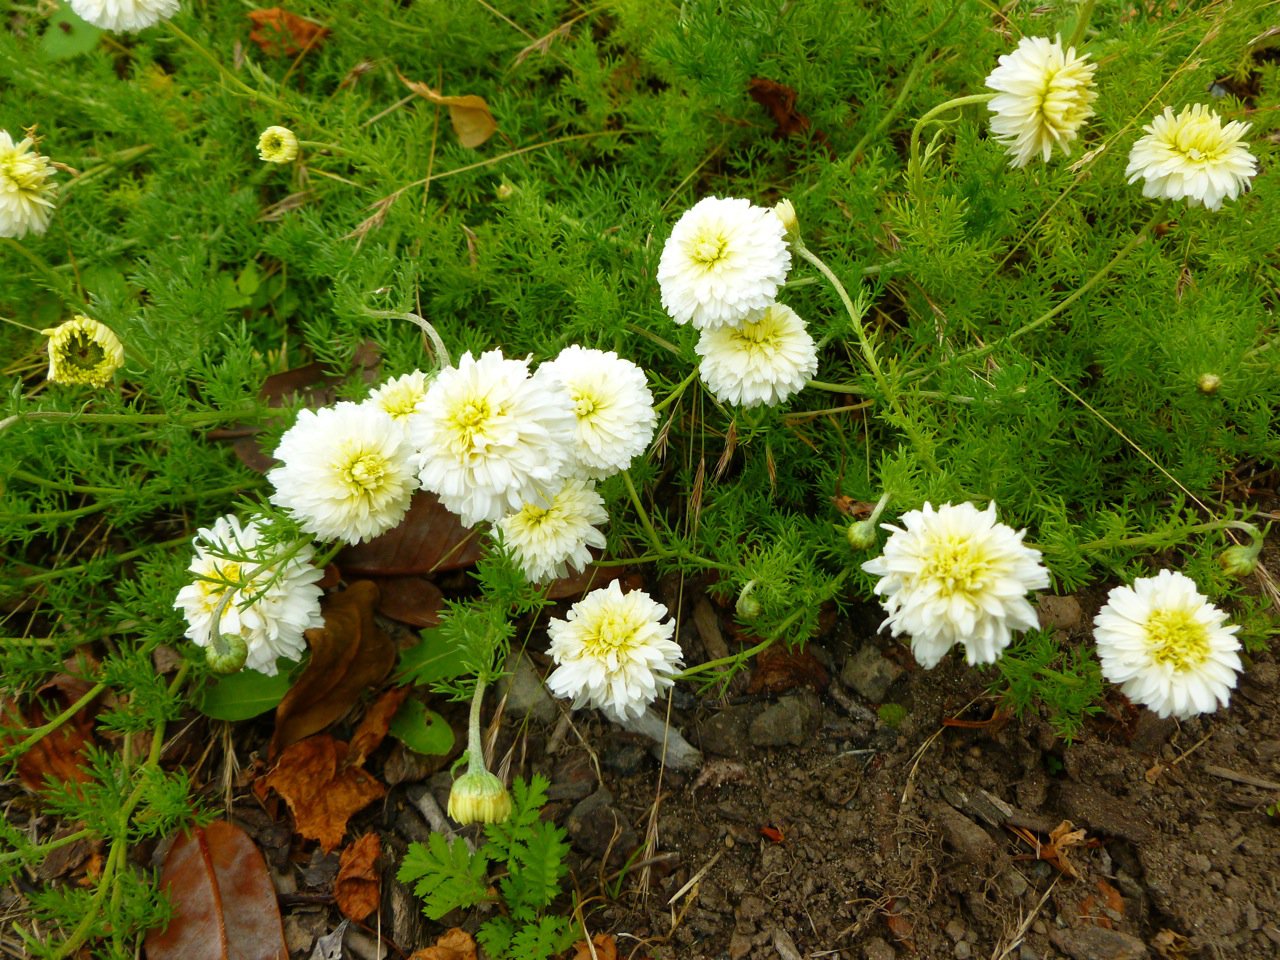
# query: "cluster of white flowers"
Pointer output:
{"type": "Point", "coordinates": [955, 575]}
{"type": "Point", "coordinates": [263, 597]}
{"type": "Point", "coordinates": [720, 270]}
{"type": "Point", "coordinates": [1044, 95]}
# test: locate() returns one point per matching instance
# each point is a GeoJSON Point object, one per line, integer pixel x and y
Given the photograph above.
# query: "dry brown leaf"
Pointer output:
{"type": "Point", "coordinates": [430, 539]}
{"type": "Point", "coordinates": [356, 889]}
{"type": "Point", "coordinates": [281, 33]}
{"type": "Point", "coordinates": [1098, 909]}
{"type": "Point", "coordinates": [348, 654]}
{"type": "Point", "coordinates": [321, 789]}
{"type": "Point", "coordinates": [58, 755]}
{"type": "Point", "coordinates": [606, 948]}
{"type": "Point", "coordinates": [456, 944]}
{"type": "Point", "coordinates": [375, 723]}
{"type": "Point", "coordinates": [777, 670]}
{"type": "Point", "coordinates": [469, 114]}
{"type": "Point", "coordinates": [1061, 839]}
{"type": "Point", "coordinates": [1172, 945]}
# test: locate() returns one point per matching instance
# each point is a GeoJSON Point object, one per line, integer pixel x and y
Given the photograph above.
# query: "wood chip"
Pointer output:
{"type": "Point", "coordinates": [1246, 778]}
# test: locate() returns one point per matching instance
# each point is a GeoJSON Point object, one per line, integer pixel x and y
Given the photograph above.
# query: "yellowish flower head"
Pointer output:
{"type": "Point", "coordinates": [83, 351]}
{"type": "Point", "coordinates": [278, 145]}
{"type": "Point", "coordinates": [26, 190]}
{"type": "Point", "coordinates": [1044, 94]}
{"type": "Point", "coordinates": [1192, 157]}
{"type": "Point", "coordinates": [479, 797]}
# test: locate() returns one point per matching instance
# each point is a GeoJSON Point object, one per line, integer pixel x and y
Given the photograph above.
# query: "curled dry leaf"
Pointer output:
{"type": "Point", "coordinates": [375, 723]}
{"type": "Point", "coordinates": [469, 114]}
{"type": "Point", "coordinates": [58, 755]}
{"type": "Point", "coordinates": [606, 948]}
{"type": "Point", "coordinates": [282, 34]}
{"type": "Point", "coordinates": [356, 889]}
{"type": "Point", "coordinates": [322, 789]}
{"type": "Point", "coordinates": [224, 904]}
{"type": "Point", "coordinates": [348, 654]}
{"type": "Point", "coordinates": [456, 944]}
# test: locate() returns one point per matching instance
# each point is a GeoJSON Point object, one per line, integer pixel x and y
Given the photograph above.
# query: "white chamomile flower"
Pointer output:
{"type": "Point", "coordinates": [26, 190]}
{"type": "Point", "coordinates": [399, 397]}
{"type": "Point", "coordinates": [612, 405]}
{"type": "Point", "coordinates": [723, 262]}
{"type": "Point", "coordinates": [491, 437]}
{"type": "Point", "coordinates": [1192, 157]}
{"type": "Point", "coordinates": [613, 652]}
{"type": "Point", "coordinates": [347, 472]}
{"type": "Point", "coordinates": [762, 361]}
{"type": "Point", "coordinates": [1167, 646]}
{"type": "Point", "coordinates": [257, 597]}
{"type": "Point", "coordinates": [124, 14]}
{"type": "Point", "coordinates": [547, 540]}
{"type": "Point", "coordinates": [955, 575]}
{"type": "Point", "coordinates": [1044, 96]}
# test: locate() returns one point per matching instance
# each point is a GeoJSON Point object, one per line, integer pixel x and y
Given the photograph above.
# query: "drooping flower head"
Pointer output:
{"type": "Point", "coordinates": [762, 361]}
{"type": "Point", "coordinates": [26, 190]}
{"type": "Point", "coordinates": [547, 540]}
{"type": "Point", "coordinates": [1192, 157]}
{"type": "Point", "coordinates": [126, 15]}
{"type": "Point", "coordinates": [347, 472]}
{"type": "Point", "coordinates": [955, 575]}
{"type": "Point", "coordinates": [1167, 646]}
{"type": "Point", "coordinates": [83, 351]}
{"type": "Point", "coordinates": [1044, 96]}
{"type": "Point", "coordinates": [613, 652]}
{"type": "Point", "coordinates": [723, 262]}
{"type": "Point", "coordinates": [612, 405]}
{"type": "Point", "coordinates": [492, 438]}
{"type": "Point", "coordinates": [478, 796]}
{"type": "Point", "coordinates": [264, 595]}
{"type": "Point", "coordinates": [278, 145]}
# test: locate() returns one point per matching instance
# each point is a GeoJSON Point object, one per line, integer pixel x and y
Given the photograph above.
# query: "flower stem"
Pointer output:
{"type": "Point", "coordinates": [855, 316]}
{"type": "Point", "coordinates": [56, 280]}
{"type": "Point", "coordinates": [933, 114]}
{"type": "Point", "coordinates": [475, 746]}
{"type": "Point", "coordinates": [226, 74]}
{"type": "Point", "coordinates": [676, 392]}
{"type": "Point", "coordinates": [1082, 23]}
{"type": "Point", "coordinates": [45, 729]}
{"type": "Point", "coordinates": [643, 513]}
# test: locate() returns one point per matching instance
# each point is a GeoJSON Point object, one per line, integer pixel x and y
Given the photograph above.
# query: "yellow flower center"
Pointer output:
{"type": "Point", "coordinates": [1177, 639]}
{"type": "Point", "coordinates": [612, 632]}
{"type": "Point", "coordinates": [401, 402]}
{"type": "Point", "coordinates": [709, 249]}
{"type": "Point", "coordinates": [584, 405]}
{"type": "Point", "coordinates": [759, 336]}
{"type": "Point", "coordinates": [365, 473]}
{"type": "Point", "coordinates": [957, 566]}
{"type": "Point", "coordinates": [82, 351]}
{"type": "Point", "coordinates": [470, 420]}
{"type": "Point", "coordinates": [1199, 140]}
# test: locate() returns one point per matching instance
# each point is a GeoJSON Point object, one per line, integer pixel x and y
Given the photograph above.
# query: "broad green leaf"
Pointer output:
{"type": "Point", "coordinates": [432, 660]}
{"type": "Point", "coordinates": [68, 36]}
{"type": "Point", "coordinates": [422, 730]}
{"type": "Point", "coordinates": [246, 694]}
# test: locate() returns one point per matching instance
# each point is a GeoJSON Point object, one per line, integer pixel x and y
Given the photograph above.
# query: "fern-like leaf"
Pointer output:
{"type": "Point", "coordinates": [445, 875]}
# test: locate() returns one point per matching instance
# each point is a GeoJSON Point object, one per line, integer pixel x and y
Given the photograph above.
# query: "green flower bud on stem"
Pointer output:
{"type": "Point", "coordinates": [479, 797]}
{"type": "Point", "coordinates": [226, 652]}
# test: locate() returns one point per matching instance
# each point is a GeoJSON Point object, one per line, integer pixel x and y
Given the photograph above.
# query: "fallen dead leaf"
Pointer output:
{"type": "Point", "coordinates": [1098, 909]}
{"type": "Point", "coordinates": [373, 726]}
{"type": "Point", "coordinates": [778, 669]}
{"type": "Point", "coordinates": [321, 789]}
{"type": "Point", "coordinates": [1054, 851]}
{"type": "Point", "coordinates": [57, 756]}
{"type": "Point", "coordinates": [281, 33]}
{"type": "Point", "coordinates": [348, 654]}
{"type": "Point", "coordinates": [899, 924]}
{"type": "Point", "coordinates": [356, 889]}
{"type": "Point", "coordinates": [780, 101]}
{"type": "Point", "coordinates": [469, 114]}
{"type": "Point", "coordinates": [455, 944]}
{"type": "Point", "coordinates": [606, 948]}
{"type": "Point", "coordinates": [224, 904]}
{"type": "Point", "coordinates": [430, 539]}
{"type": "Point", "coordinates": [1172, 945]}
{"type": "Point", "coordinates": [415, 600]}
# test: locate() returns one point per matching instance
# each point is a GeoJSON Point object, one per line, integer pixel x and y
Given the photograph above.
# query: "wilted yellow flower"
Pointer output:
{"type": "Point", "coordinates": [83, 351]}
{"type": "Point", "coordinates": [278, 145]}
{"type": "Point", "coordinates": [479, 797]}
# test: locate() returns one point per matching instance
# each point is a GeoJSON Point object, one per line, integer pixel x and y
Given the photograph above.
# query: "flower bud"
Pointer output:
{"type": "Point", "coordinates": [1241, 560]}
{"type": "Point", "coordinates": [278, 145]}
{"type": "Point", "coordinates": [504, 191]}
{"type": "Point", "coordinates": [862, 535]}
{"type": "Point", "coordinates": [785, 211]}
{"type": "Point", "coordinates": [479, 797]}
{"type": "Point", "coordinates": [1208, 383]}
{"type": "Point", "coordinates": [747, 607]}
{"type": "Point", "coordinates": [83, 351]}
{"type": "Point", "coordinates": [227, 653]}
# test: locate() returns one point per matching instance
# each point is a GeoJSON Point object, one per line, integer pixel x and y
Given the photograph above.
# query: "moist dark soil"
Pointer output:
{"type": "Point", "coordinates": [823, 823]}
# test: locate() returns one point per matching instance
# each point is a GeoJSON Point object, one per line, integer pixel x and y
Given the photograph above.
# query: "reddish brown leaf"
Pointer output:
{"type": "Point", "coordinates": [356, 890]}
{"type": "Point", "coordinates": [348, 654]}
{"type": "Point", "coordinates": [606, 948]}
{"type": "Point", "coordinates": [778, 669]}
{"type": "Point", "coordinates": [590, 577]}
{"type": "Point", "coordinates": [469, 114]}
{"type": "Point", "coordinates": [456, 944]}
{"type": "Point", "coordinates": [58, 755]}
{"type": "Point", "coordinates": [1098, 909]}
{"type": "Point", "coordinates": [321, 789]}
{"type": "Point", "coordinates": [224, 905]}
{"type": "Point", "coordinates": [899, 924]}
{"type": "Point", "coordinates": [373, 727]}
{"type": "Point", "coordinates": [281, 33]}
{"type": "Point", "coordinates": [429, 539]}
{"type": "Point", "coordinates": [412, 600]}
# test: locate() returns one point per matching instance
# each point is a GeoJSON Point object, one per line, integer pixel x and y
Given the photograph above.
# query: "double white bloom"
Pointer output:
{"type": "Point", "coordinates": [955, 575]}
{"type": "Point", "coordinates": [1044, 96]}
{"type": "Point", "coordinates": [1167, 646]}
{"type": "Point", "coordinates": [763, 361]}
{"type": "Point", "coordinates": [264, 601]}
{"type": "Point", "coordinates": [1192, 157]}
{"type": "Point", "coordinates": [26, 190]}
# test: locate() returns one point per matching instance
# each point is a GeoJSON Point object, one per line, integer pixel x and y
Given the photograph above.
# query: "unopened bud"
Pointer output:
{"type": "Point", "coordinates": [747, 607]}
{"type": "Point", "coordinates": [862, 535]}
{"type": "Point", "coordinates": [1240, 561]}
{"type": "Point", "coordinates": [479, 797]}
{"type": "Point", "coordinates": [785, 211]}
{"type": "Point", "coordinates": [504, 191]}
{"type": "Point", "coordinates": [227, 653]}
{"type": "Point", "coordinates": [1208, 383]}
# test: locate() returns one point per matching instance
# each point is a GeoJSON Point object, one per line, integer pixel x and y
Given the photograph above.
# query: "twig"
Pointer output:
{"type": "Point", "coordinates": [1245, 778]}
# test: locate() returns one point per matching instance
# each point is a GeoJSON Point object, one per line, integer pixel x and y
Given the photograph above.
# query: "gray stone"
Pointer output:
{"type": "Point", "coordinates": [785, 946]}
{"type": "Point", "coordinates": [1058, 613]}
{"type": "Point", "coordinates": [1098, 943]}
{"type": "Point", "coordinates": [877, 949]}
{"type": "Point", "coordinates": [623, 758]}
{"type": "Point", "coordinates": [1013, 882]}
{"type": "Point", "coordinates": [963, 951]}
{"type": "Point", "coordinates": [596, 828]}
{"type": "Point", "coordinates": [788, 723]}
{"type": "Point", "coordinates": [869, 674]}
{"type": "Point", "coordinates": [966, 839]}
{"type": "Point", "coordinates": [725, 733]}
{"type": "Point", "coordinates": [525, 694]}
